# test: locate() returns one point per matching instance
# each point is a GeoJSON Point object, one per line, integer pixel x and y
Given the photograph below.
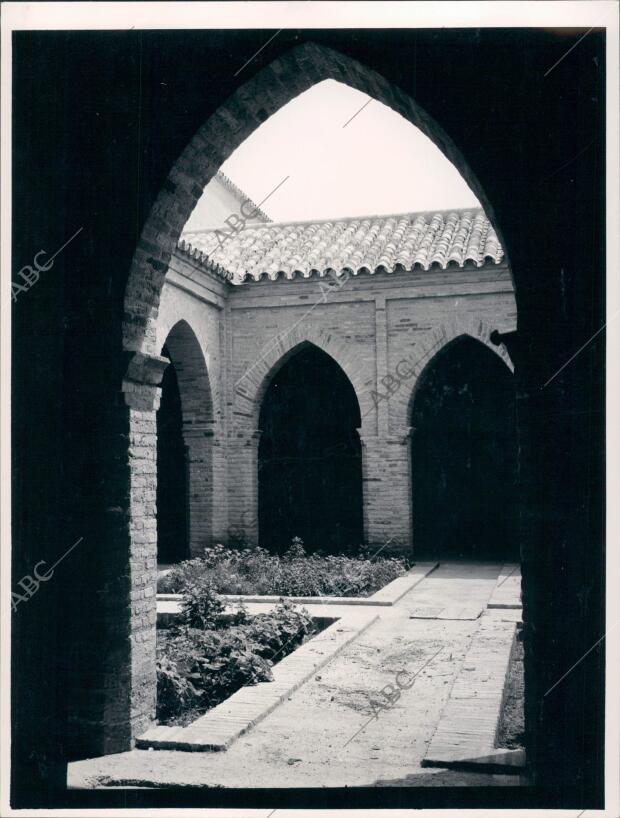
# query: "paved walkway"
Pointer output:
{"type": "Point", "coordinates": [338, 729]}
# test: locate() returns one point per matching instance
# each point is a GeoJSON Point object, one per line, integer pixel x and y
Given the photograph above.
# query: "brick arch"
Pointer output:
{"type": "Point", "coordinates": [268, 91]}
{"type": "Point", "coordinates": [430, 345]}
{"type": "Point", "coordinates": [253, 383]}
{"type": "Point", "coordinates": [252, 103]}
{"type": "Point", "coordinates": [192, 374]}
{"type": "Point", "coordinates": [198, 430]}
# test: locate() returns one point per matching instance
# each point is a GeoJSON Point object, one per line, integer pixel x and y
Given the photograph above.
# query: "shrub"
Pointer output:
{"type": "Point", "coordinates": [201, 606]}
{"type": "Point", "coordinates": [211, 654]}
{"type": "Point", "coordinates": [278, 633]}
{"type": "Point", "coordinates": [175, 693]}
{"type": "Point", "coordinates": [296, 550]}
{"type": "Point", "coordinates": [225, 661]}
{"type": "Point", "coordinates": [294, 573]}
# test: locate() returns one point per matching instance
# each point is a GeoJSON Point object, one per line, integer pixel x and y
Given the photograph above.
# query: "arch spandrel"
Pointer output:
{"type": "Point", "coordinates": [426, 348]}
{"type": "Point", "coordinates": [252, 383]}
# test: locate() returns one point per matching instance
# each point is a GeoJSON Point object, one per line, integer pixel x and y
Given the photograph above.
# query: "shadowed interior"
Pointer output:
{"type": "Point", "coordinates": [310, 471]}
{"type": "Point", "coordinates": [463, 456]}
{"type": "Point", "coordinates": [172, 525]}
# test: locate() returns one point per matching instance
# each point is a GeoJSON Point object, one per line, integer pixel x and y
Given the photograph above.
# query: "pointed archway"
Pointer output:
{"type": "Point", "coordinates": [309, 456]}
{"type": "Point", "coordinates": [185, 428]}
{"type": "Point", "coordinates": [464, 455]}
{"type": "Point", "coordinates": [254, 101]}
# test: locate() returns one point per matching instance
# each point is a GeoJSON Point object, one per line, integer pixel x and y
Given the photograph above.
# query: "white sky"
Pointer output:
{"type": "Point", "coordinates": [378, 164]}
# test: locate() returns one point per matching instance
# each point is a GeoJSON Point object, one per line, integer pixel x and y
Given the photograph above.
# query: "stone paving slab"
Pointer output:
{"type": "Point", "coordinates": [221, 726]}
{"type": "Point", "coordinates": [449, 612]}
{"type": "Point", "coordinates": [396, 590]}
{"type": "Point", "coordinates": [507, 592]}
{"type": "Point", "coordinates": [458, 586]}
{"type": "Point", "coordinates": [465, 735]}
{"type": "Point", "coordinates": [505, 614]}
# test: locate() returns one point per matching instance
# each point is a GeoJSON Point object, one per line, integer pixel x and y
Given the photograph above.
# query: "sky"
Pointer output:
{"type": "Point", "coordinates": [342, 154]}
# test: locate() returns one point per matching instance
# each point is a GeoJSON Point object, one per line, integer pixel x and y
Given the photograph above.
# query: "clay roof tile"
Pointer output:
{"type": "Point", "coordinates": [368, 244]}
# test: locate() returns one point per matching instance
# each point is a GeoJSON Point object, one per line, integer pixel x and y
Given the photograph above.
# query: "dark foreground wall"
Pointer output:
{"type": "Point", "coordinates": [99, 120]}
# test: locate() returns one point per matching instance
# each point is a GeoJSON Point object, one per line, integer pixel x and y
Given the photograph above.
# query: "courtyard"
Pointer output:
{"type": "Point", "coordinates": [339, 383]}
{"type": "Point", "coordinates": [345, 294]}
{"type": "Point", "coordinates": [351, 723]}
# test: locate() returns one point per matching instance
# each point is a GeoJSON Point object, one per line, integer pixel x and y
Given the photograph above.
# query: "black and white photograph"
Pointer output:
{"type": "Point", "coordinates": [307, 409]}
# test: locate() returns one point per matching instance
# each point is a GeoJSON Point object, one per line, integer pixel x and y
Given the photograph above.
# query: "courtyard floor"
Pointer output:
{"type": "Point", "coordinates": [325, 733]}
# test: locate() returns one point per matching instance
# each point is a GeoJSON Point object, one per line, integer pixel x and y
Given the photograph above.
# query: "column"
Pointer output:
{"type": "Point", "coordinates": [199, 442]}
{"type": "Point", "coordinates": [113, 695]}
{"type": "Point", "coordinates": [387, 493]}
{"type": "Point", "coordinates": [243, 484]}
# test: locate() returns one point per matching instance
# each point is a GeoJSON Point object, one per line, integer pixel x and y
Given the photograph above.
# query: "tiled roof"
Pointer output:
{"type": "Point", "coordinates": [370, 245]}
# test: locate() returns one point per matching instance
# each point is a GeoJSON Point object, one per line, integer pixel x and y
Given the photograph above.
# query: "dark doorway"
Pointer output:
{"type": "Point", "coordinates": [309, 457]}
{"type": "Point", "coordinates": [463, 456]}
{"type": "Point", "coordinates": [172, 540]}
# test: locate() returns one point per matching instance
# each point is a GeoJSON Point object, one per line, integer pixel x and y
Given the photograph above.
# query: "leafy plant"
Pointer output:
{"type": "Point", "coordinates": [213, 653]}
{"type": "Point", "coordinates": [201, 607]}
{"type": "Point", "coordinates": [253, 570]}
{"type": "Point", "coordinates": [175, 693]}
{"type": "Point", "coordinates": [296, 550]}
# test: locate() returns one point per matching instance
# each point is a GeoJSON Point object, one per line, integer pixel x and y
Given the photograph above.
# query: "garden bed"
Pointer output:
{"type": "Point", "coordinates": [256, 572]}
{"type": "Point", "coordinates": [211, 653]}
{"type": "Point", "coordinates": [221, 726]}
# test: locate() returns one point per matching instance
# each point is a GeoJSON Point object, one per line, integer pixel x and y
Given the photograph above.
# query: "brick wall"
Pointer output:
{"type": "Point", "coordinates": [382, 330]}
